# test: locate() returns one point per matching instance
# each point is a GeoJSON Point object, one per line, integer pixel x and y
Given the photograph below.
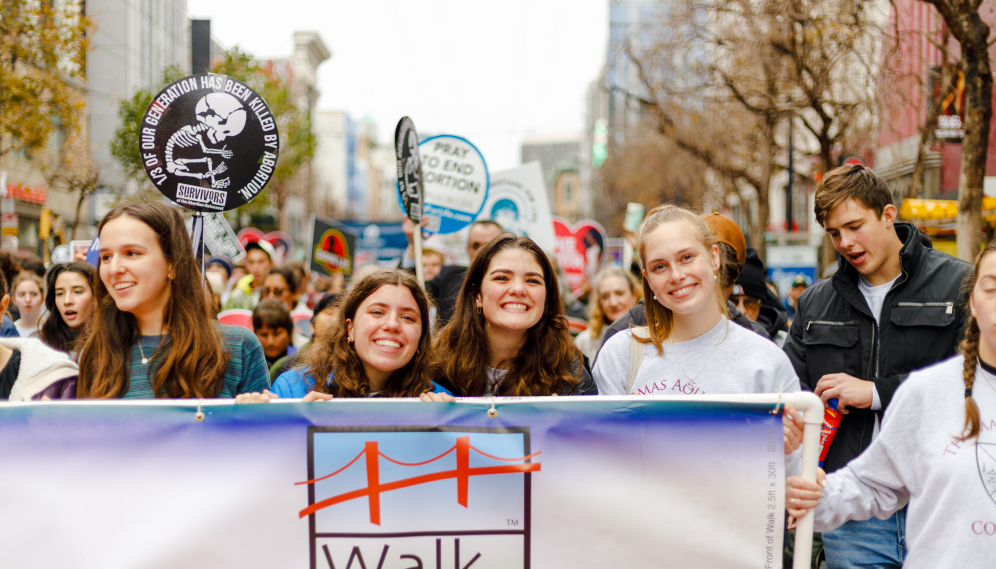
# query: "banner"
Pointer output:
{"type": "Point", "coordinates": [332, 246]}
{"type": "Point", "coordinates": [394, 484]}
{"type": "Point", "coordinates": [579, 249]}
{"type": "Point", "coordinates": [518, 202]}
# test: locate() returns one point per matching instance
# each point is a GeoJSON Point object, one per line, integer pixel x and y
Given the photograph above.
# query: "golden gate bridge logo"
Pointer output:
{"type": "Point", "coordinates": [461, 473]}
{"type": "Point", "coordinates": [408, 500]}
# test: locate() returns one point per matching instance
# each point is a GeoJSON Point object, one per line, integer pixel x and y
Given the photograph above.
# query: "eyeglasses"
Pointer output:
{"type": "Point", "coordinates": [745, 302]}
{"type": "Point", "coordinates": [267, 291]}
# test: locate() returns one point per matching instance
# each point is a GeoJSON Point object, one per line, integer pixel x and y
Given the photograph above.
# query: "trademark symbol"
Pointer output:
{"type": "Point", "coordinates": [512, 522]}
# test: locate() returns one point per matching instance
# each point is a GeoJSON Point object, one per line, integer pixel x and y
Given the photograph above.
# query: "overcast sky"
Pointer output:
{"type": "Point", "coordinates": [489, 71]}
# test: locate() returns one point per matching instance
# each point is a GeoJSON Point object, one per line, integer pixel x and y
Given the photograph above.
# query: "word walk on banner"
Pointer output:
{"type": "Point", "coordinates": [391, 484]}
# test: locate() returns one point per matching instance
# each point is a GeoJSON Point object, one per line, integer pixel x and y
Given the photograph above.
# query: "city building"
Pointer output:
{"type": "Point", "coordinates": [556, 153]}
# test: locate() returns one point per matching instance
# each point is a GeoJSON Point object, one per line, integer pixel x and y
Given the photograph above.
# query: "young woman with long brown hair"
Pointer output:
{"type": "Point", "coordinates": [508, 335]}
{"type": "Point", "coordinates": [936, 451]}
{"type": "Point", "coordinates": [379, 346]}
{"type": "Point", "coordinates": [152, 334]}
{"type": "Point", "coordinates": [69, 302]}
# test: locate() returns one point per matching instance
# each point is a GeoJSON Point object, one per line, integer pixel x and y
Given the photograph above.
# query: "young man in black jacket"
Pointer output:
{"type": "Point", "coordinates": [892, 307]}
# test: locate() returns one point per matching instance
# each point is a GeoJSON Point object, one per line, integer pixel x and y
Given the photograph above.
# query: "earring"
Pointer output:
{"type": "Point", "coordinates": [655, 297]}
{"type": "Point", "coordinates": [715, 276]}
{"type": "Point", "coordinates": [416, 351]}
{"type": "Point", "coordinates": [480, 310]}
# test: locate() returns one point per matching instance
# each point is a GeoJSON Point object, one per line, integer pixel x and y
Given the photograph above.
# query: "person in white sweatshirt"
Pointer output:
{"type": "Point", "coordinates": [936, 452]}
{"type": "Point", "coordinates": [689, 345]}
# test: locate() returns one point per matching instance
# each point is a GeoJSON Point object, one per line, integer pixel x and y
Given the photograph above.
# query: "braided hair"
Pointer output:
{"type": "Point", "coordinates": [970, 350]}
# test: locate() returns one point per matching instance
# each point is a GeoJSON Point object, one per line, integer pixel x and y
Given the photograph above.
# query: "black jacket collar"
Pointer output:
{"type": "Point", "coordinates": [845, 280]}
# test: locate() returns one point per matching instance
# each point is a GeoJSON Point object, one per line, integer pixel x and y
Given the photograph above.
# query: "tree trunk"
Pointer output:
{"type": "Point", "coordinates": [764, 189]}
{"type": "Point", "coordinates": [975, 145]}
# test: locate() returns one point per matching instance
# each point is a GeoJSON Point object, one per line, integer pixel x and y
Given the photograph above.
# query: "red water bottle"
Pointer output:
{"type": "Point", "coordinates": [831, 420]}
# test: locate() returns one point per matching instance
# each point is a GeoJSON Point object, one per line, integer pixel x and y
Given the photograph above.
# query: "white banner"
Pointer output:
{"type": "Point", "coordinates": [391, 484]}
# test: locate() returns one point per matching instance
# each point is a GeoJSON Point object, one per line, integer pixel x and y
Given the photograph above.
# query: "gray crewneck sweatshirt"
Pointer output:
{"type": "Point", "coordinates": [725, 360]}
{"type": "Point", "coordinates": [950, 485]}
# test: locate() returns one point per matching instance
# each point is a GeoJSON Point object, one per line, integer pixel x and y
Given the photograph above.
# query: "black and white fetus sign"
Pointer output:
{"type": "Point", "coordinates": [209, 142]}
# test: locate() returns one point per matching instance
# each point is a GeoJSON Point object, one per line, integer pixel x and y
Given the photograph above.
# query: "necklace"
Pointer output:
{"type": "Point", "coordinates": [691, 379]}
{"type": "Point", "coordinates": [145, 360]}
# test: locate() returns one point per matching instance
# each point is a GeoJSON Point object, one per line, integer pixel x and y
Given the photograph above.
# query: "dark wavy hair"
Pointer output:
{"type": "Point", "coordinates": [55, 332]}
{"type": "Point", "coordinates": [545, 363]}
{"type": "Point", "coordinates": [191, 361]}
{"type": "Point", "coordinates": [331, 355]}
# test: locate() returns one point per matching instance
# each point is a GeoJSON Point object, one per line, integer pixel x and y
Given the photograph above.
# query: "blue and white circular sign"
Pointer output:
{"type": "Point", "coordinates": [455, 181]}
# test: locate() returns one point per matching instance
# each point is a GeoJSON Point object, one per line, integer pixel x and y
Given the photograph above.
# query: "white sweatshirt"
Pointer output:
{"type": "Point", "coordinates": [950, 485]}
{"type": "Point", "coordinates": [725, 360]}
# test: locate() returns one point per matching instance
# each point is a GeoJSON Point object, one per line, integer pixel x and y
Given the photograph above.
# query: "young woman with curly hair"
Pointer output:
{"type": "Point", "coordinates": [508, 335]}
{"type": "Point", "coordinates": [378, 348]}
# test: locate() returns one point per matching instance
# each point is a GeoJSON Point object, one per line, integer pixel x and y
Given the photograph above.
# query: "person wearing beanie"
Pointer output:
{"type": "Point", "coordinates": [752, 296]}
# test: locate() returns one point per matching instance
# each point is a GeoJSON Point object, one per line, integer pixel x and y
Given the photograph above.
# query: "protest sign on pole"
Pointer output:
{"type": "Point", "coordinates": [410, 184]}
{"type": "Point", "coordinates": [396, 484]}
{"type": "Point", "coordinates": [209, 143]}
{"type": "Point", "coordinates": [219, 238]}
{"type": "Point", "coordinates": [455, 182]}
{"type": "Point", "coordinates": [579, 249]}
{"type": "Point", "coordinates": [332, 247]}
{"type": "Point", "coordinates": [517, 200]}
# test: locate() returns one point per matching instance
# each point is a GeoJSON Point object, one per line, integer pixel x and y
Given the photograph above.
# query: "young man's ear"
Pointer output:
{"type": "Point", "coordinates": [889, 215]}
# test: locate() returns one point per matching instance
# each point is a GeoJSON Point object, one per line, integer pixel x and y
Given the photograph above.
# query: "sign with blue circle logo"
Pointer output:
{"type": "Point", "coordinates": [455, 180]}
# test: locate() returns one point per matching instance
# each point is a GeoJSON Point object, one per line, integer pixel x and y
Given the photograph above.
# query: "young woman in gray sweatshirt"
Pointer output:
{"type": "Point", "coordinates": [936, 452]}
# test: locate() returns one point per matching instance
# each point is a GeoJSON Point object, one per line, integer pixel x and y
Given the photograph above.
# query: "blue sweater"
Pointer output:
{"type": "Point", "coordinates": [295, 384]}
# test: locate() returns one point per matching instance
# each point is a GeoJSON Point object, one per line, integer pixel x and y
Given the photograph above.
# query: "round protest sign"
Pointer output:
{"type": "Point", "coordinates": [409, 169]}
{"type": "Point", "coordinates": [455, 182]}
{"type": "Point", "coordinates": [209, 142]}
{"type": "Point", "coordinates": [579, 249]}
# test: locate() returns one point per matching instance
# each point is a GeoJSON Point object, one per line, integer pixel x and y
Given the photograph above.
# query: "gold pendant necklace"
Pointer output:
{"type": "Point", "coordinates": [141, 351]}
{"type": "Point", "coordinates": [691, 380]}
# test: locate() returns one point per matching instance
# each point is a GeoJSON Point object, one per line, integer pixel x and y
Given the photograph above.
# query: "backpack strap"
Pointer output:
{"type": "Point", "coordinates": [637, 351]}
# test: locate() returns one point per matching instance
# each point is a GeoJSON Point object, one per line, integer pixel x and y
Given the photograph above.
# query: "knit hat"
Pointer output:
{"type": "Point", "coordinates": [751, 281]}
{"type": "Point", "coordinates": [728, 232]}
{"type": "Point", "coordinates": [222, 260]}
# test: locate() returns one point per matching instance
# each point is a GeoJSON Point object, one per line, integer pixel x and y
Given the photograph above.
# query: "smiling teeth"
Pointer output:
{"type": "Point", "coordinates": [682, 290]}
{"type": "Point", "coordinates": [387, 343]}
{"type": "Point", "coordinates": [515, 306]}
{"type": "Point", "coordinates": [122, 286]}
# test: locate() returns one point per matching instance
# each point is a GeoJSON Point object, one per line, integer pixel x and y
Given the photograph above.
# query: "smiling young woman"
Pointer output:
{"type": "Point", "coordinates": [689, 345]}
{"type": "Point", "coordinates": [508, 334]}
{"type": "Point", "coordinates": [379, 346]}
{"type": "Point", "coordinates": [151, 335]}
{"type": "Point", "coordinates": [614, 292]}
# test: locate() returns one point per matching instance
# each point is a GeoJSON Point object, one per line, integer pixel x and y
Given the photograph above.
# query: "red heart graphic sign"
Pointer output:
{"type": "Point", "coordinates": [282, 243]}
{"type": "Point", "coordinates": [579, 249]}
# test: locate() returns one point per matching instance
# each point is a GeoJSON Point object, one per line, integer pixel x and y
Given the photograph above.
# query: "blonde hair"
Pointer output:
{"type": "Point", "coordinates": [26, 276]}
{"type": "Point", "coordinates": [660, 320]}
{"type": "Point", "coordinates": [596, 318]}
{"type": "Point", "coordinates": [970, 350]}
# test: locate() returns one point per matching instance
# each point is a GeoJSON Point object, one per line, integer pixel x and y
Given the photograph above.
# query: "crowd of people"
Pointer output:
{"type": "Point", "coordinates": [695, 314]}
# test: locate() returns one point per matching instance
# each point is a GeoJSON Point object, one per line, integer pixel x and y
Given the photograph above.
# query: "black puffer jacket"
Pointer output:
{"type": "Point", "coordinates": [834, 332]}
{"type": "Point", "coordinates": [637, 316]}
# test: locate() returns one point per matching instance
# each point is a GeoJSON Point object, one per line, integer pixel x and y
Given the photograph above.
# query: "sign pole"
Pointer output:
{"type": "Point", "coordinates": [419, 273]}
{"type": "Point", "coordinates": [197, 235]}
{"type": "Point", "coordinates": [410, 185]}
